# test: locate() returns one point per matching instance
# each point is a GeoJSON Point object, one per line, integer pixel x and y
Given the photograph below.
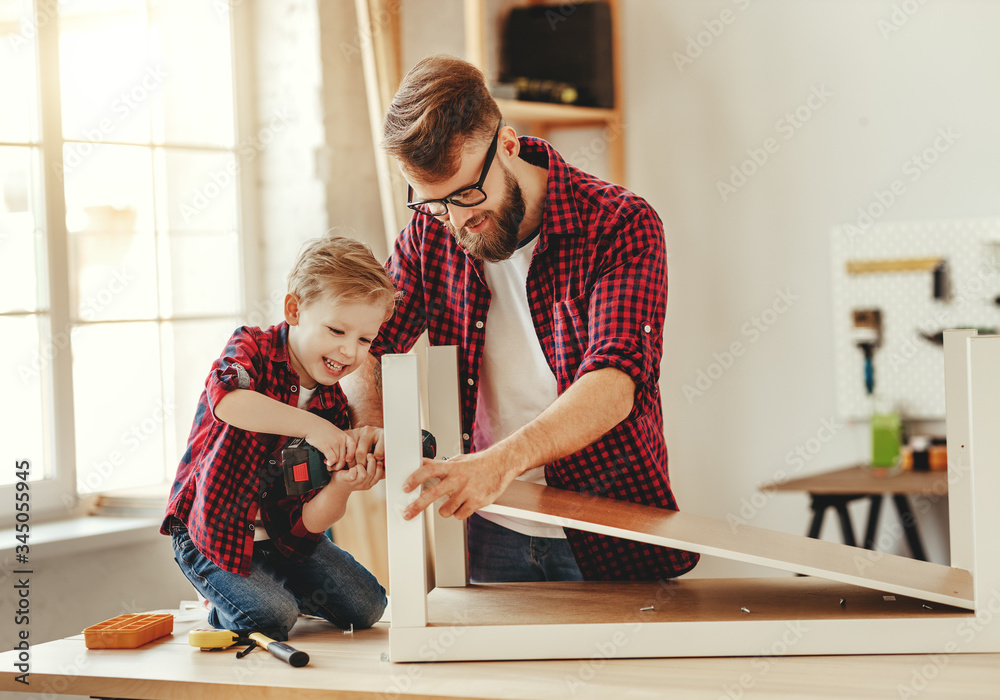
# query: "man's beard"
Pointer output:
{"type": "Point", "coordinates": [498, 240]}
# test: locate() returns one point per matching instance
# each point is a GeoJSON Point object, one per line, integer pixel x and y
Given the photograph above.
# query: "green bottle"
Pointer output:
{"type": "Point", "coordinates": [886, 434]}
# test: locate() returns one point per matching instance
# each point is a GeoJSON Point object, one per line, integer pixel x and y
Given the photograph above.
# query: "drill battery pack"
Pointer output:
{"type": "Point", "coordinates": [303, 467]}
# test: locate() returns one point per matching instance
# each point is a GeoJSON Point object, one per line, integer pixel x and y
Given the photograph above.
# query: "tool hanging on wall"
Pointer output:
{"type": "Point", "coordinates": [941, 286]}
{"type": "Point", "coordinates": [937, 266]}
{"type": "Point", "coordinates": [868, 337]}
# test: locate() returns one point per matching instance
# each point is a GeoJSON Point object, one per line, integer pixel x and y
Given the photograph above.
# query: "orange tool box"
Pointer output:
{"type": "Point", "coordinates": [128, 631]}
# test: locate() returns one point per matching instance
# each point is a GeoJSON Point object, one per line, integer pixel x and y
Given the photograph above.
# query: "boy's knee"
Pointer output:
{"type": "Point", "coordinates": [276, 623]}
{"type": "Point", "coordinates": [367, 614]}
{"type": "Point", "coordinates": [273, 617]}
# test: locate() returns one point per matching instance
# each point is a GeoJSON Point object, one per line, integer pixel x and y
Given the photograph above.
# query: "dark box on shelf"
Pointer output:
{"type": "Point", "coordinates": [560, 53]}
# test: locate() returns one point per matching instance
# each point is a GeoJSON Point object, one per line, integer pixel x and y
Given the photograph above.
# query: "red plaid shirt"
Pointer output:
{"type": "Point", "coordinates": [228, 474]}
{"type": "Point", "coordinates": [597, 288]}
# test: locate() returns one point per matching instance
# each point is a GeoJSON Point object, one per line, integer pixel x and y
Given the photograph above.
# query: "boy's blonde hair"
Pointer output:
{"type": "Point", "coordinates": [343, 267]}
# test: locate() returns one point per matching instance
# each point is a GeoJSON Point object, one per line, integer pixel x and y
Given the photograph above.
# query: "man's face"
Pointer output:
{"type": "Point", "coordinates": [491, 234]}
{"type": "Point", "coordinates": [489, 230]}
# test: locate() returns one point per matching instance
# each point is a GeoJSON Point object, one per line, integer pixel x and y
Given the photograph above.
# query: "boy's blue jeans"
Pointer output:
{"type": "Point", "coordinates": [329, 584]}
{"type": "Point", "coordinates": [497, 555]}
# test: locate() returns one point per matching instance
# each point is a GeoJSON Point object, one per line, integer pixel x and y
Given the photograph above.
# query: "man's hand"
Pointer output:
{"type": "Point", "coordinates": [594, 404]}
{"type": "Point", "coordinates": [363, 389]}
{"type": "Point", "coordinates": [370, 442]}
{"type": "Point", "coordinates": [469, 482]}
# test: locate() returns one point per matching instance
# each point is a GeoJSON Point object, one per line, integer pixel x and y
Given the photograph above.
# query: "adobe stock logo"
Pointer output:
{"type": "Point", "coordinates": [900, 15]}
{"type": "Point", "coordinates": [752, 330]}
{"type": "Point", "coordinates": [698, 43]}
{"type": "Point", "coordinates": [787, 126]}
{"type": "Point", "coordinates": [914, 168]}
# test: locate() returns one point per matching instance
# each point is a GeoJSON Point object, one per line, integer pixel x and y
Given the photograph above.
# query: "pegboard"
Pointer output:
{"type": "Point", "coordinates": [909, 370]}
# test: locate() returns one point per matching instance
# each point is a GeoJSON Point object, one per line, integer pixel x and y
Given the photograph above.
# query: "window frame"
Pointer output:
{"type": "Point", "coordinates": [55, 496]}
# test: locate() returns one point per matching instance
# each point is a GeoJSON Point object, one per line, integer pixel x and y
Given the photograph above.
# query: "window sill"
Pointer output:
{"type": "Point", "coordinates": [79, 536]}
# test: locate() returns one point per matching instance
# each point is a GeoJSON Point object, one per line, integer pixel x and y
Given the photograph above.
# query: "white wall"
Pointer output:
{"type": "Point", "coordinates": [318, 173]}
{"type": "Point", "coordinates": [688, 126]}
{"type": "Point", "coordinates": [884, 78]}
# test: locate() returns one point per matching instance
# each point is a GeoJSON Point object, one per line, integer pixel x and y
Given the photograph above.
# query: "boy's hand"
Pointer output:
{"type": "Point", "coordinates": [337, 446]}
{"type": "Point", "coordinates": [360, 477]}
{"type": "Point", "coordinates": [370, 441]}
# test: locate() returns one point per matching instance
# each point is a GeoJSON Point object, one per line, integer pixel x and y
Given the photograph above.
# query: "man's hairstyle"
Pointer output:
{"type": "Point", "coordinates": [441, 104]}
{"type": "Point", "coordinates": [342, 267]}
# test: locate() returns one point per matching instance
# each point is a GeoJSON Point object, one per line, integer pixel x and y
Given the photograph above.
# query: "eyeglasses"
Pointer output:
{"type": "Point", "coordinates": [466, 197]}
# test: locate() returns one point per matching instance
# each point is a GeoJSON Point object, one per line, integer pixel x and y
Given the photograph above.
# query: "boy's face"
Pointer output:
{"type": "Point", "coordinates": [329, 338]}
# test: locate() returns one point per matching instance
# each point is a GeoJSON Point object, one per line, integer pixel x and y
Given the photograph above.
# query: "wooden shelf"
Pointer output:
{"type": "Point", "coordinates": [555, 114]}
{"type": "Point", "coordinates": [381, 59]}
{"type": "Point", "coordinates": [541, 117]}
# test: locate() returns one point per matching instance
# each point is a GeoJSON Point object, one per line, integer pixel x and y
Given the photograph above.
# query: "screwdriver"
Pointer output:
{"type": "Point", "coordinates": [208, 639]}
{"type": "Point", "coordinates": [280, 650]}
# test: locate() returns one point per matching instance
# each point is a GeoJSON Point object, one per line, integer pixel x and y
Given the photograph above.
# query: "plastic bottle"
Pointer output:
{"type": "Point", "coordinates": [886, 435]}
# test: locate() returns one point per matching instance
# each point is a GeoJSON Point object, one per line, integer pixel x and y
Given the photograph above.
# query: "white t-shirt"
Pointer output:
{"type": "Point", "coordinates": [515, 382]}
{"type": "Point", "coordinates": [305, 396]}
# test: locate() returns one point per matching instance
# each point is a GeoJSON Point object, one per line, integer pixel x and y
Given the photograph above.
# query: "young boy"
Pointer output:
{"type": "Point", "coordinates": [256, 554]}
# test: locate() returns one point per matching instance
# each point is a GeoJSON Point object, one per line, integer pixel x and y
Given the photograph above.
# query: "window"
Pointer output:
{"type": "Point", "coordinates": [120, 238]}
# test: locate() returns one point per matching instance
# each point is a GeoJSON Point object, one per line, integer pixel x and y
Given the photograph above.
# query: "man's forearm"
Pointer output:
{"type": "Point", "coordinates": [592, 406]}
{"type": "Point", "coordinates": [363, 389]}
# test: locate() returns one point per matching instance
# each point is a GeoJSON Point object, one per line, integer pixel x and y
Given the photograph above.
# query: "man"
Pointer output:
{"type": "Point", "coordinates": [552, 283]}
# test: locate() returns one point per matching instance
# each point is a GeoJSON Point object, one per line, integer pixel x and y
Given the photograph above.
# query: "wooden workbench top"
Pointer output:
{"type": "Point", "coordinates": [351, 666]}
{"type": "Point", "coordinates": [861, 479]}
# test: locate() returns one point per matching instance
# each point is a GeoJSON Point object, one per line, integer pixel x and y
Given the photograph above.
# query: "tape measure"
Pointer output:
{"type": "Point", "coordinates": [207, 639]}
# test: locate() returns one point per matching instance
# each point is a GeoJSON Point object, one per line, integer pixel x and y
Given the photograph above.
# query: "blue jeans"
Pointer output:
{"type": "Point", "coordinates": [497, 555]}
{"type": "Point", "coordinates": [329, 584]}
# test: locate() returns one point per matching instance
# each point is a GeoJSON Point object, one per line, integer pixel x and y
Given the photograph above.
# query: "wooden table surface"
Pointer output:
{"type": "Point", "coordinates": [860, 479]}
{"type": "Point", "coordinates": [352, 666]}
